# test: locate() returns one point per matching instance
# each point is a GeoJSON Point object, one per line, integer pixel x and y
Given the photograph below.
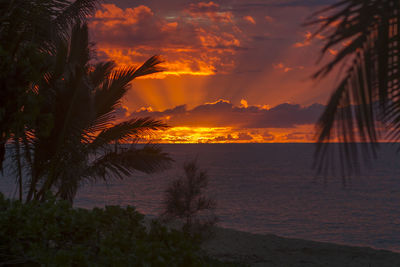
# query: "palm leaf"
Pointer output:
{"type": "Point", "coordinates": [79, 50]}
{"type": "Point", "coordinates": [364, 105]}
{"type": "Point", "coordinates": [148, 159]}
{"type": "Point", "coordinates": [70, 14]}
{"type": "Point", "coordinates": [126, 131]}
{"type": "Point", "coordinates": [108, 96]}
{"type": "Point", "coordinates": [101, 71]}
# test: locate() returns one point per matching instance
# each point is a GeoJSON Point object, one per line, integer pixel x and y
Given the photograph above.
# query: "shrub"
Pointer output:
{"type": "Point", "coordinates": [186, 201]}
{"type": "Point", "coordinates": [52, 233]}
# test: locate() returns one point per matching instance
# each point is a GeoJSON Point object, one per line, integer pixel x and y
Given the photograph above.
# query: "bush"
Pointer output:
{"type": "Point", "coordinates": [52, 233]}
{"type": "Point", "coordinates": [185, 200]}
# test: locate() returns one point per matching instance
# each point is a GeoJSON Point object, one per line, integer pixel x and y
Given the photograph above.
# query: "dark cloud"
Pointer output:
{"type": "Point", "coordinates": [203, 7]}
{"type": "Point", "coordinates": [230, 138]}
{"type": "Point", "coordinates": [224, 114]}
{"type": "Point", "coordinates": [284, 3]}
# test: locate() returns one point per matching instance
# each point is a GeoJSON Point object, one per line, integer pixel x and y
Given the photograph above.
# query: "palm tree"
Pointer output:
{"type": "Point", "coordinates": [84, 143]}
{"type": "Point", "coordinates": [29, 29]}
{"type": "Point", "coordinates": [365, 105]}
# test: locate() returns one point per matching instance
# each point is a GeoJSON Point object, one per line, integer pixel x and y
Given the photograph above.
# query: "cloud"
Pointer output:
{"type": "Point", "coordinates": [211, 11]}
{"type": "Point", "coordinates": [110, 14]}
{"type": "Point", "coordinates": [267, 136]}
{"type": "Point", "coordinates": [222, 113]}
{"type": "Point", "coordinates": [308, 37]}
{"type": "Point", "coordinates": [215, 53]}
{"type": "Point", "coordinates": [201, 40]}
{"type": "Point", "coordinates": [286, 3]}
{"type": "Point", "coordinates": [284, 68]}
{"type": "Point", "coordinates": [230, 138]}
{"type": "Point", "coordinates": [250, 20]}
{"type": "Point", "coordinates": [298, 136]}
{"type": "Point", "coordinates": [269, 19]}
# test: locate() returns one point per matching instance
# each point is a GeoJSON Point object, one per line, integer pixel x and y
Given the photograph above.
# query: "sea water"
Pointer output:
{"type": "Point", "coordinates": [272, 188]}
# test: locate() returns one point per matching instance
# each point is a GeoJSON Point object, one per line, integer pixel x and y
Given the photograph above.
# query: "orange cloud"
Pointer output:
{"type": "Point", "coordinates": [169, 26]}
{"type": "Point", "coordinates": [284, 68]}
{"type": "Point", "coordinates": [244, 103]}
{"type": "Point", "coordinates": [306, 42]}
{"type": "Point", "coordinates": [250, 20]}
{"type": "Point", "coordinates": [269, 19]}
{"type": "Point", "coordinates": [219, 101]}
{"type": "Point", "coordinates": [333, 52]}
{"type": "Point", "coordinates": [210, 52]}
{"type": "Point", "coordinates": [210, 11]}
{"type": "Point", "coordinates": [308, 38]}
{"type": "Point", "coordinates": [111, 15]}
{"type": "Point", "coordinates": [189, 47]}
{"type": "Point", "coordinates": [217, 40]}
{"type": "Point", "coordinates": [231, 135]}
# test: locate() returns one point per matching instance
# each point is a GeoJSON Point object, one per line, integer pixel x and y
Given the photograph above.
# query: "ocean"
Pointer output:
{"type": "Point", "coordinates": [272, 188]}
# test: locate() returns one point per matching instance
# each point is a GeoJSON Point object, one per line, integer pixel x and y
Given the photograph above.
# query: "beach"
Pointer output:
{"type": "Point", "coordinates": [271, 250]}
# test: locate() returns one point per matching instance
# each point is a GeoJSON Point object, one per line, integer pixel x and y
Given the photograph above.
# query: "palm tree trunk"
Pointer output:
{"type": "Point", "coordinates": [2, 153]}
{"type": "Point", "coordinates": [19, 166]}
{"type": "Point", "coordinates": [32, 187]}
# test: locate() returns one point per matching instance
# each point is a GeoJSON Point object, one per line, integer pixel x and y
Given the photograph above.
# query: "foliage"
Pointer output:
{"type": "Point", "coordinates": [185, 199]}
{"type": "Point", "coordinates": [29, 30]}
{"type": "Point", "coordinates": [58, 108]}
{"type": "Point", "coordinates": [52, 233]}
{"type": "Point", "coordinates": [365, 105]}
{"type": "Point", "coordinates": [84, 142]}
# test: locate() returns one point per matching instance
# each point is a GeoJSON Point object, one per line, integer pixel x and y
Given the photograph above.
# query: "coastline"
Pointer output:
{"type": "Point", "coordinates": [271, 250]}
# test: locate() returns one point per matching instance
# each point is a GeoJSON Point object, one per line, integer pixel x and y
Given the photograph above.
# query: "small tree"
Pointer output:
{"type": "Point", "coordinates": [185, 200]}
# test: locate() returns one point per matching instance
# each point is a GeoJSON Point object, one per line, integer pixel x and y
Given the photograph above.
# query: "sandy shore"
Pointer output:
{"type": "Point", "coordinates": [272, 250]}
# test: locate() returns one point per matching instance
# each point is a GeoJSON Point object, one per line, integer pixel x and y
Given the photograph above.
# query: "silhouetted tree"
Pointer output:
{"type": "Point", "coordinates": [185, 199]}
{"type": "Point", "coordinates": [85, 143]}
{"type": "Point", "coordinates": [365, 105]}
{"type": "Point", "coordinates": [29, 30]}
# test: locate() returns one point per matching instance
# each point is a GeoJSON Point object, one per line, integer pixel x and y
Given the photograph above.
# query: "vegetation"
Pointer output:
{"type": "Point", "coordinates": [185, 200]}
{"type": "Point", "coordinates": [52, 233]}
{"type": "Point", "coordinates": [62, 124]}
{"type": "Point", "coordinates": [82, 99]}
{"type": "Point", "coordinates": [57, 109]}
{"type": "Point", "coordinates": [365, 105]}
{"type": "Point", "coordinates": [29, 31]}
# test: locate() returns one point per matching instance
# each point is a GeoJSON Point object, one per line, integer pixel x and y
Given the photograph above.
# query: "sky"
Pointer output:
{"type": "Point", "coordinates": [235, 70]}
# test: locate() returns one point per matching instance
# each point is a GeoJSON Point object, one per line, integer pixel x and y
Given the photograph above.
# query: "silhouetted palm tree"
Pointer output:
{"type": "Point", "coordinates": [29, 29]}
{"type": "Point", "coordinates": [84, 144]}
{"type": "Point", "coordinates": [365, 105]}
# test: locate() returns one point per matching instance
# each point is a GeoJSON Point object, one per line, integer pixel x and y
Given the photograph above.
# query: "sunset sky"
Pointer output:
{"type": "Point", "coordinates": [235, 70]}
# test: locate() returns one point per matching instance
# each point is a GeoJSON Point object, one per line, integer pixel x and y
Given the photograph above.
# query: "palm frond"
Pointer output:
{"type": "Point", "coordinates": [126, 131]}
{"type": "Point", "coordinates": [358, 109]}
{"type": "Point", "coordinates": [79, 50]}
{"type": "Point", "coordinates": [72, 13]}
{"type": "Point", "coordinates": [101, 71]}
{"type": "Point", "coordinates": [108, 96]}
{"type": "Point", "coordinates": [120, 164]}
{"type": "Point", "coordinates": [149, 67]}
